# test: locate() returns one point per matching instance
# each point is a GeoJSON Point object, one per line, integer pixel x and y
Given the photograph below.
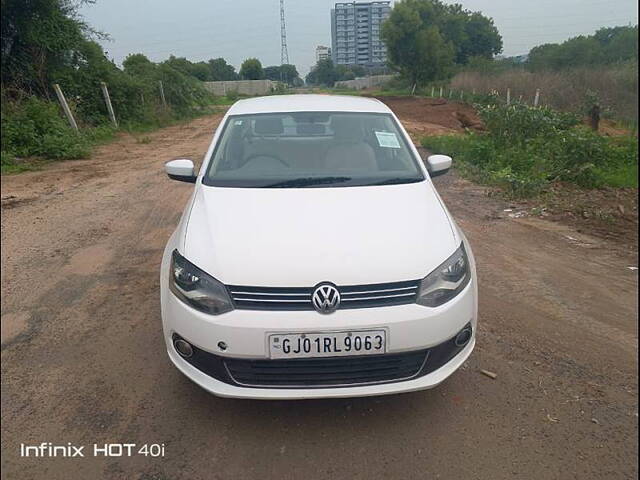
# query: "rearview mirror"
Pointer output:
{"type": "Point", "coordinates": [438, 164]}
{"type": "Point", "coordinates": [181, 170]}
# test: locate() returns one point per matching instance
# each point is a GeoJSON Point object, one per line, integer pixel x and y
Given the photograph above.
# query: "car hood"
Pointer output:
{"type": "Point", "coordinates": [303, 236]}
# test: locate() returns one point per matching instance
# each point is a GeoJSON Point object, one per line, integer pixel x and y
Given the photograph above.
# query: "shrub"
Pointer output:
{"type": "Point", "coordinates": [518, 122]}
{"type": "Point", "coordinates": [526, 148]}
{"type": "Point", "coordinates": [34, 127]}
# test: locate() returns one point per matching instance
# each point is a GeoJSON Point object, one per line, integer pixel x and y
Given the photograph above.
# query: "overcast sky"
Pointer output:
{"type": "Point", "coordinates": [238, 29]}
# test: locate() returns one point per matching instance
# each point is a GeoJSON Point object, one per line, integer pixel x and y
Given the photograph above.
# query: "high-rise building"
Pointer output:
{"type": "Point", "coordinates": [355, 33]}
{"type": "Point", "coordinates": [322, 53]}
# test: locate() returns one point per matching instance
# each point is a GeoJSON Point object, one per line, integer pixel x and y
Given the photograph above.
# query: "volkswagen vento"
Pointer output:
{"type": "Point", "coordinates": [315, 258]}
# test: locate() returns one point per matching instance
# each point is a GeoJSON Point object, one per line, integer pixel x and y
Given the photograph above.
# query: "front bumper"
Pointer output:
{"type": "Point", "coordinates": [409, 328]}
{"type": "Point", "coordinates": [223, 389]}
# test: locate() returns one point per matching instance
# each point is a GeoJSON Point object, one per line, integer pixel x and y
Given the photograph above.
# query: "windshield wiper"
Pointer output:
{"type": "Point", "coordinates": [307, 182]}
{"type": "Point", "coordinates": [397, 180]}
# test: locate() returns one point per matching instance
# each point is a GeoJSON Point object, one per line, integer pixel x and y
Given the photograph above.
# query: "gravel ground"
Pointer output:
{"type": "Point", "coordinates": [83, 358]}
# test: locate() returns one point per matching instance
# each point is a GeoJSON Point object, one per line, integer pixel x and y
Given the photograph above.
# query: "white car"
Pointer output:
{"type": "Point", "coordinates": [315, 258]}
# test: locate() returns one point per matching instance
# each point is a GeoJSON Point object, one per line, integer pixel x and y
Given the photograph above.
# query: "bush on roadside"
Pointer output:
{"type": "Point", "coordinates": [48, 43]}
{"type": "Point", "coordinates": [34, 127]}
{"type": "Point", "coordinates": [517, 123]}
{"type": "Point", "coordinates": [525, 148]}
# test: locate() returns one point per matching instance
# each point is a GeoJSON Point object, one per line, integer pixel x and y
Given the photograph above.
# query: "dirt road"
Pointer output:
{"type": "Point", "coordinates": [83, 358]}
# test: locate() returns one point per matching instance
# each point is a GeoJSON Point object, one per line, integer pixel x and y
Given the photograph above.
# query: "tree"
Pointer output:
{"type": "Point", "coordinates": [251, 69]}
{"type": "Point", "coordinates": [220, 70]}
{"type": "Point", "coordinates": [282, 73]}
{"type": "Point", "coordinates": [622, 43]}
{"type": "Point", "coordinates": [38, 38]}
{"type": "Point", "coordinates": [289, 73]}
{"type": "Point", "coordinates": [607, 45]}
{"type": "Point", "coordinates": [324, 73]}
{"type": "Point", "coordinates": [199, 70]}
{"type": "Point", "coordinates": [482, 39]}
{"type": "Point", "coordinates": [426, 38]}
{"type": "Point", "coordinates": [272, 73]}
{"type": "Point", "coordinates": [342, 72]}
{"type": "Point", "coordinates": [45, 42]}
{"type": "Point", "coordinates": [138, 64]}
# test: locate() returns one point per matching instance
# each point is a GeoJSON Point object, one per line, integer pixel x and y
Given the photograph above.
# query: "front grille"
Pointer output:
{"type": "Point", "coordinates": [299, 298]}
{"type": "Point", "coordinates": [320, 372]}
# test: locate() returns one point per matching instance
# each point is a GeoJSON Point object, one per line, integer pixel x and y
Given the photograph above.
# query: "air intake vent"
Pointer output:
{"type": "Point", "coordinates": [323, 372]}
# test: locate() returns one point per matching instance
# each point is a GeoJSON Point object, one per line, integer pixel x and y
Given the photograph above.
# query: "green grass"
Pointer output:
{"type": "Point", "coordinates": [228, 100]}
{"type": "Point", "coordinates": [621, 176]}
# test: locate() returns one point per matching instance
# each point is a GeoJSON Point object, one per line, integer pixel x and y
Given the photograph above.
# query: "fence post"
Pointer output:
{"type": "Point", "coordinates": [107, 100]}
{"type": "Point", "coordinates": [536, 100]}
{"type": "Point", "coordinates": [594, 117]}
{"type": "Point", "coordinates": [461, 94]}
{"type": "Point", "coordinates": [440, 92]}
{"type": "Point", "coordinates": [450, 93]}
{"type": "Point", "coordinates": [164, 101]}
{"type": "Point", "coordinates": [474, 91]}
{"type": "Point", "coordinates": [65, 106]}
{"type": "Point", "coordinates": [433, 91]}
{"type": "Point", "coordinates": [508, 96]}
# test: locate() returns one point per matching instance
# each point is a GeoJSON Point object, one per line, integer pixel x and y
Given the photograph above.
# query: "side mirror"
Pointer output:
{"type": "Point", "coordinates": [438, 164]}
{"type": "Point", "coordinates": [181, 170]}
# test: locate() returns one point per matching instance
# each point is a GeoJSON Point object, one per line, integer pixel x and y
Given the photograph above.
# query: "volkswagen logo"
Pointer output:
{"type": "Point", "coordinates": [325, 298]}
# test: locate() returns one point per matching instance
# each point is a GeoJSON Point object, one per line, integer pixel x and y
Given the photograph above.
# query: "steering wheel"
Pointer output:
{"type": "Point", "coordinates": [256, 155]}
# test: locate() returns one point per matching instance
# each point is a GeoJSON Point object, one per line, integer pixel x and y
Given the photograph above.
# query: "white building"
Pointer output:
{"type": "Point", "coordinates": [355, 33]}
{"type": "Point", "coordinates": [322, 53]}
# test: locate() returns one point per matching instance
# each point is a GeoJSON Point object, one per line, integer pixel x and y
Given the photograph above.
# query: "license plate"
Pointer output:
{"type": "Point", "coordinates": [327, 344]}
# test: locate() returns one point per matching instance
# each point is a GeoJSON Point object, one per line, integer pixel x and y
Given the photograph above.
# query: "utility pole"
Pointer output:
{"type": "Point", "coordinates": [284, 54]}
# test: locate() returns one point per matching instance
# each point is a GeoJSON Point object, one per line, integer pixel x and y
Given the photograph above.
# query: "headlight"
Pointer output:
{"type": "Point", "coordinates": [197, 288]}
{"type": "Point", "coordinates": [446, 281]}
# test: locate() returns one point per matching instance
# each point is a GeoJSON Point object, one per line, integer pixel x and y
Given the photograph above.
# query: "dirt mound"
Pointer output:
{"type": "Point", "coordinates": [433, 116]}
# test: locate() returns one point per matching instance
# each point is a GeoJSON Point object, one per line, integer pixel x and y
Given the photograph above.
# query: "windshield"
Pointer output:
{"type": "Point", "coordinates": [311, 149]}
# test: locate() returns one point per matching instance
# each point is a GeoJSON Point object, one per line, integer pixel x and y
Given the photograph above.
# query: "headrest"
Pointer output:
{"type": "Point", "coordinates": [268, 126]}
{"type": "Point", "coordinates": [347, 128]}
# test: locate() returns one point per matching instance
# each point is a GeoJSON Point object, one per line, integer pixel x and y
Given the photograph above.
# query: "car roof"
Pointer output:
{"type": "Point", "coordinates": [307, 103]}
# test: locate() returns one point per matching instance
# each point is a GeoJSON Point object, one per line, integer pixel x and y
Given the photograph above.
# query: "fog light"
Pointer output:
{"type": "Point", "coordinates": [463, 337]}
{"type": "Point", "coordinates": [183, 347]}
